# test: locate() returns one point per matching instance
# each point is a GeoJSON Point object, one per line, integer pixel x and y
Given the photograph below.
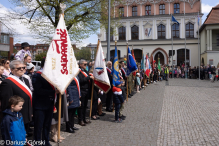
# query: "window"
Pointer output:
{"type": "Point", "coordinates": [161, 31]}
{"type": "Point", "coordinates": [162, 9]}
{"type": "Point", "coordinates": [190, 30]}
{"type": "Point", "coordinates": [134, 32]}
{"type": "Point", "coordinates": [4, 39]}
{"type": "Point", "coordinates": [148, 10]}
{"type": "Point", "coordinates": [45, 47]}
{"type": "Point", "coordinates": [121, 11]}
{"type": "Point", "coordinates": [122, 33]}
{"type": "Point", "coordinates": [176, 8]}
{"type": "Point", "coordinates": [134, 11]}
{"type": "Point", "coordinates": [175, 30]}
{"type": "Point", "coordinates": [218, 39]}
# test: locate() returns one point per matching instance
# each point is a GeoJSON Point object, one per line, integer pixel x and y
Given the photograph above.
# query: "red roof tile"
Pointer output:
{"type": "Point", "coordinates": [213, 17]}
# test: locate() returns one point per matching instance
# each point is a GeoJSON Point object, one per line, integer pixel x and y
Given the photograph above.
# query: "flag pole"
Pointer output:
{"type": "Point", "coordinates": [172, 45]}
{"type": "Point", "coordinates": [199, 59]}
{"type": "Point", "coordinates": [185, 39]}
{"type": "Point", "coordinates": [127, 85]}
{"type": "Point", "coordinates": [92, 91]}
{"type": "Point", "coordinates": [63, 6]}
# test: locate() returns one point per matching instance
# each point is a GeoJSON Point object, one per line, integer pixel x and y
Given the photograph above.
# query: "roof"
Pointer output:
{"type": "Point", "coordinates": [213, 16]}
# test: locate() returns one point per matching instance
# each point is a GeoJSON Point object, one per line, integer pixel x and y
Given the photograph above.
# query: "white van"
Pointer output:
{"type": "Point", "coordinates": [37, 65]}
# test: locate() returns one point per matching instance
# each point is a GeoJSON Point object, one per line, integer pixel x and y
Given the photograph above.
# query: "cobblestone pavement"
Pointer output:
{"type": "Point", "coordinates": [190, 114]}
{"type": "Point", "coordinates": [140, 128]}
{"type": "Point", "coordinates": [178, 112]}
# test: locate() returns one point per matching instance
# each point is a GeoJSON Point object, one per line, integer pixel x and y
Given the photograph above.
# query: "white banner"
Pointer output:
{"type": "Point", "coordinates": [61, 66]}
{"type": "Point", "coordinates": [101, 79]}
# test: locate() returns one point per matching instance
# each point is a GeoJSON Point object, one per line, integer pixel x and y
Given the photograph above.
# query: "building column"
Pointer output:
{"type": "Point", "coordinates": [210, 41]}
{"type": "Point", "coordinates": [127, 10]}
{"type": "Point", "coordinates": [181, 28]}
{"type": "Point", "coordinates": [154, 9]}
{"type": "Point", "coordinates": [167, 29]}
{"type": "Point", "coordinates": [116, 36]}
{"type": "Point", "coordinates": [154, 29]}
{"type": "Point", "coordinates": [127, 30]}
{"type": "Point", "coordinates": [141, 11]}
{"type": "Point", "coordinates": [140, 30]}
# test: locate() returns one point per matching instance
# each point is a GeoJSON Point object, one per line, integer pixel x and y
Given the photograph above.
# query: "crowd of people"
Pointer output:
{"type": "Point", "coordinates": [28, 100]}
{"type": "Point", "coordinates": [206, 72]}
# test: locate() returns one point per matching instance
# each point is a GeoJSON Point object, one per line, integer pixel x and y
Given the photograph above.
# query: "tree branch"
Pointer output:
{"type": "Point", "coordinates": [41, 6]}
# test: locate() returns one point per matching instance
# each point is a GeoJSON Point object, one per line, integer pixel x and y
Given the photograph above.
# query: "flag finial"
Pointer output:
{"type": "Point", "coordinates": [127, 42]}
{"type": "Point", "coordinates": [63, 6]}
{"type": "Point", "coordinates": [99, 35]}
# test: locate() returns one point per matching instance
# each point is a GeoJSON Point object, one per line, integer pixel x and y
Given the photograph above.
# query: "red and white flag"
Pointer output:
{"type": "Point", "coordinates": [101, 79]}
{"type": "Point", "coordinates": [60, 66]}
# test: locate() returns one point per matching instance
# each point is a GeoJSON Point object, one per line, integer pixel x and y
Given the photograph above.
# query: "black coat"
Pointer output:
{"type": "Point", "coordinates": [84, 82]}
{"type": "Point", "coordinates": [44, 93]}
{"type": "Point", "coordinates": [8, 89]}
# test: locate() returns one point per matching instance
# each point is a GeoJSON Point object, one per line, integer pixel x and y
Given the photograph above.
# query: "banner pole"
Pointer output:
{"type": "Point", "coordinates": [127, 85]}
{"type": "Point", "coordinates": [91, 100]}
{"type": "Point", "coordinates": [63, 6]}
{"type": "Point", "coordinates": [92, 91]}
{"type": "Point", "coordinates": [59, 117]}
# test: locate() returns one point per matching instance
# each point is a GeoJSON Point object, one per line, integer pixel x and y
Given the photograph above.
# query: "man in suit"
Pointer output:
{"type": "Point", "coordinates": [15, 84]}
{"type": "Point", "coordinates": [84, 79]}
{"type": "Point", "coordinates": [43, 103]}
{"type": "Point", "coordinates": [109, 98]}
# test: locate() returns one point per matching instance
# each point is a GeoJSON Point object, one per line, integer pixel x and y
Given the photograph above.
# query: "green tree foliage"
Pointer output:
{"type": "Point", "coordinates": [83, 54]}
{"type": "Point", "coordinates": [82, 17]}
{"type": "Point", "coordinates": [40, 56]}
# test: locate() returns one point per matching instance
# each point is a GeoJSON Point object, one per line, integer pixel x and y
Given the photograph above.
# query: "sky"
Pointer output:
{"type": "Point", "coordinates": [24, 36]}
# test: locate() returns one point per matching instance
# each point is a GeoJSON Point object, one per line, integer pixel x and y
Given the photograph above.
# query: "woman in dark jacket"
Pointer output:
{"type": "Point", "coordinates": [74, 93]}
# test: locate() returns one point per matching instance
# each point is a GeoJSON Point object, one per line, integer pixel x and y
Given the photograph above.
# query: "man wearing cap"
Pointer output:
{"type": "Point", "coordinates": [23, 52]}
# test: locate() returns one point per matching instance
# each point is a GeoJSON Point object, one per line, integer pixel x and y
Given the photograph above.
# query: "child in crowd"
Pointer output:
{"type": "Point", "coordinates": [138, 81]}
{"type": "Point", "coordinates": [12, 126]}
{"type": "Point", "coordinates": [117, 100]}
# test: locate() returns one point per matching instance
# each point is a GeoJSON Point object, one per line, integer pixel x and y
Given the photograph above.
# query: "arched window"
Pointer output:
{"type": "Point", "coordinates": [161, 31]}
{"type": "Point", "coordinates": [122, 33]}
{"type": "Point", "coordinates": [134, 11]}
{"type": "Point", "coordinates": [175, 30]}
{"type": "Point", "coordinates": [190, 30]}
{"type": "Point", "coordinates": [134, 31]}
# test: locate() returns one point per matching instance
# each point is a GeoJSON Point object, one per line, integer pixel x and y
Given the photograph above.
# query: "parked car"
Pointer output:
{"type": "Point", "coordinates": [37, 65]}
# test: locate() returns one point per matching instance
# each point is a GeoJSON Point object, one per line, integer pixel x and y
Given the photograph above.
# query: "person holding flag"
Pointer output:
{"type": "Point", "coordinates": [60, 65]}
{"type": "Point", "coordinates": [84, 79]}
{"type": "Point", "coordinates": [109, 98]}
{"type": "Point", "coordinates": [101, 79]}
{"type": "Point", "coordinates": [131, 67]}
{"type": "Point", "coordinates": [147, 68]}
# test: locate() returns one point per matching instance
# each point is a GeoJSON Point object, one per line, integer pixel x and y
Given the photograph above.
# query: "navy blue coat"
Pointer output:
{"type": "Point", "coordinates": [12, 127]}
{"type": "Point", "coordinates": [44, 94]}
{"type": "Point", "coordinates": [117, 95]}
{"type": "Point", "coordinates": [74, 94]}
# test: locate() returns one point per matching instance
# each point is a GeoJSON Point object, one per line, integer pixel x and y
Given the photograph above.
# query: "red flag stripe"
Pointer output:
{"type": "Point", "coordinates": [101, 85]}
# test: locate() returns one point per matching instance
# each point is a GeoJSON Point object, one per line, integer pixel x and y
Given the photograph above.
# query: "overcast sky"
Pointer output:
{"type": "Point", "coordinates": [24, 35]}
